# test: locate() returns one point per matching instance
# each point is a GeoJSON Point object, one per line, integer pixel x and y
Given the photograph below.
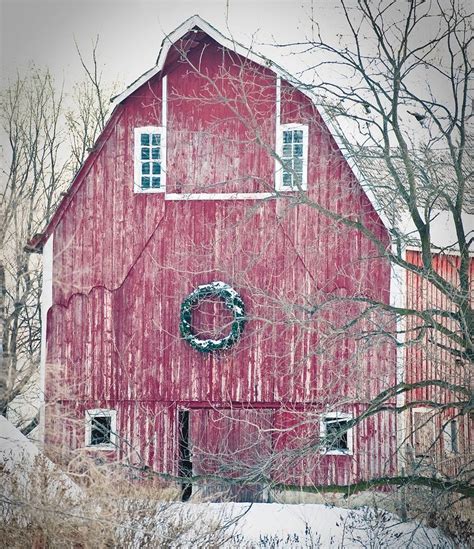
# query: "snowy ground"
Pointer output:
{"type": "Point", "coordinates": [226, 525]}
{"type": "Point", "coordinates": [278, 526]}
{"type": "Point", "coordinates": [20, 459]}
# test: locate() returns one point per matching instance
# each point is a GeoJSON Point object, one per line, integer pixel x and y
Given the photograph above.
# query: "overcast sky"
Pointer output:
{"type": "Point", "coordinates": [131, 31]}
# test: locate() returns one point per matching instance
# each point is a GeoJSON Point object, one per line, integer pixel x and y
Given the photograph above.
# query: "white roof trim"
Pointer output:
{"type": "Point", "coordinates": [196, 21]}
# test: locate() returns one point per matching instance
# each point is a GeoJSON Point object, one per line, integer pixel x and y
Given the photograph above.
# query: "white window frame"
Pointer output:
{"type": "Point", "coordinates": [137, 163]}
{"type": "Point", "coordinates": [451, 444]}
{"type": "Point", "coordinates": [101, 412]}
{"type": "Point", "coordinates": [279, 161]}
{"type": "Point", "coordinates": [336, 416]}
{"type": "Point", "coordinates": [430, 424]}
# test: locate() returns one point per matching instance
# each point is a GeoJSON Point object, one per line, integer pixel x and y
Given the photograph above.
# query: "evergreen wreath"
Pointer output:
{"type": "Point", "coordinates": [232, 301]}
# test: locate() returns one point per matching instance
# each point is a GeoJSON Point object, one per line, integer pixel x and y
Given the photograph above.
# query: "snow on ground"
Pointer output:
{"type": "Point", "coordinates": [22, 464]}
{"type": "Point", "coordinates": [14, 446]}
{"type": "Point", "coordinates": [313, 525]}
{"type": "Point", "coordinates": [282, 526]}
{"type": "Point", "coordinates": [258, 525]}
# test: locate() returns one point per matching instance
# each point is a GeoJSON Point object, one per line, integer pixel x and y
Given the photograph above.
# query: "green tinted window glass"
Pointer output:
{"type": "Point", "coordinates": [298, 136]}
{"type": "Point", "coordinates": [298, 150]}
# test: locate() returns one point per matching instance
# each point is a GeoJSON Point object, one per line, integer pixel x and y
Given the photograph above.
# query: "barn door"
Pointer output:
{"type": "Point", "coordinates": [185, 466]}
{"type": "Point", "coordinates": [232, 444]}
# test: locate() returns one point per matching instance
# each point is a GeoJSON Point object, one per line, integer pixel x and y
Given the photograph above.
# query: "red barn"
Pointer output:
{"type": "Point", "coordinates": [184, 273]}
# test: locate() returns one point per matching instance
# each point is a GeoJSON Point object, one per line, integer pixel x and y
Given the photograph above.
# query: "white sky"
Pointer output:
{"type": "Point", "coordinates": [131, 31]}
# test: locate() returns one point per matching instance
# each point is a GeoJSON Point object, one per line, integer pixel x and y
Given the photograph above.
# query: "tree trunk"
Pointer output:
{"type": "Point", "coordinates": [4, 360]}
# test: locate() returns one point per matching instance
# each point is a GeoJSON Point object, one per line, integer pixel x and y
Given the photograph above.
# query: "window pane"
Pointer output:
{"type": "Point", "coordinates": [101, 427]}
{"type": "Point", "coordinates": [145, 153]}
{"type": "Point", "coordinates": [298, 136]}
{"type": "Point", "coordinates": [156, 139]}
{"type": "Point", "coordinates": [293, 166]}
{"type": "Point", "coordinates": [155, 153]}
{"type": "Point", "coordinates": [335, 440]}
{"type": "Point", "coordinates": [454, 436]}
{"type": "Point", "coordinates": [298, 164]}
{"type": "Point", "coordinates": [145, 168]}
{"type": "Point", "coordinates": [156, 168]}
{"type": "Point", "coordinates": [145, 182]}
{"type": "Point", "coordinates": [144, 139]}
{"type": "Point", "coordinates": [155, 182]}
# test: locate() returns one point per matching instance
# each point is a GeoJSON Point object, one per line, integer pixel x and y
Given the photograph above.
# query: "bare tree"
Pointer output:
{"type": "Point", "coordinates": [87, 118]}
{"type": "Point", "coordinates": [404, 94]}
{"type": "Point", "coordinates": [405, 97]}
{"type": "Point", "coordinates": [36, 166]}
{"type": "Point", "coordinates": [45, 141]}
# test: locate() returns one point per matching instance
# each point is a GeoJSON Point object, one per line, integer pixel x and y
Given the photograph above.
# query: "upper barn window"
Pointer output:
{"type": "Point", "coordinates": [150, 159]}
{"type": "Point", "coordinates": [292, 171]}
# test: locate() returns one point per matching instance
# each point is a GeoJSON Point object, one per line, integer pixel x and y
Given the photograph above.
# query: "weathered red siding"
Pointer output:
{"type": "Point", "coordinates": [123, 262]}
{"type": "Point", "coordinates": [429, 359]}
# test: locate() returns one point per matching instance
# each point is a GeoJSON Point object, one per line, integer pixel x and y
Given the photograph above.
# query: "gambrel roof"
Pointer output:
{"type": "Point", "coordinates": [369, 169]}
{"type": "Point", "coordinates": [196, 23]}
{"type": "Point", "coordinates": [184, 36]}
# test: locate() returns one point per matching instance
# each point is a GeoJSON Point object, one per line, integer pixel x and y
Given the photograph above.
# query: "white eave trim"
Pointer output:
{"type": "Point", "coordinates": [46, 303]}
{"type": "Point", "coordinates": [442, 232]}
{"type": "Point", "coordinates": [219, 196]}
{"type": "Point", "coordinates": [398, 297]}
{"type": "Point", "coordinates": [196, 21]}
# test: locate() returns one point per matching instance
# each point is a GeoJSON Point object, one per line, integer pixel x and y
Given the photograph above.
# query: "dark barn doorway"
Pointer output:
{"type": "Point", "coordinates": [185, 466]}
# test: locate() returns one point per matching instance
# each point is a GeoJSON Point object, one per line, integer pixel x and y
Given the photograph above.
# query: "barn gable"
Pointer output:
{"type": "Point", "coordinates": [189, 36]}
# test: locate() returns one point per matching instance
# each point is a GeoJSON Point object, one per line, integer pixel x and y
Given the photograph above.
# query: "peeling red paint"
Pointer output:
{"type": "Point", "coordinates": [123, 262]}
{"type": "Point", "coordinates": [427, 361]}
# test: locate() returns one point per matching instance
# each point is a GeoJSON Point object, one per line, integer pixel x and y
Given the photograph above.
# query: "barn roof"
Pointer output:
{"type": "Point", "coordinates": [434, 170]}
{"type": "Point", "coordinates": [196, 23]}
{"type": "Point", "coordinates": [437, 183]}
{"type": "Point", "coordinates": [368, 168]}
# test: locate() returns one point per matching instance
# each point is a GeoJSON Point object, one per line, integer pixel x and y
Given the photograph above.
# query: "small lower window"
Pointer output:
{"type": "Point", "coordinates": [336, 435]}
{"type": "Point", "coordinates": [101, 428]}
{"type": "Point", "coordinates": [423, 432]}
{"type": "Point", "coordinates": [450, 436]}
